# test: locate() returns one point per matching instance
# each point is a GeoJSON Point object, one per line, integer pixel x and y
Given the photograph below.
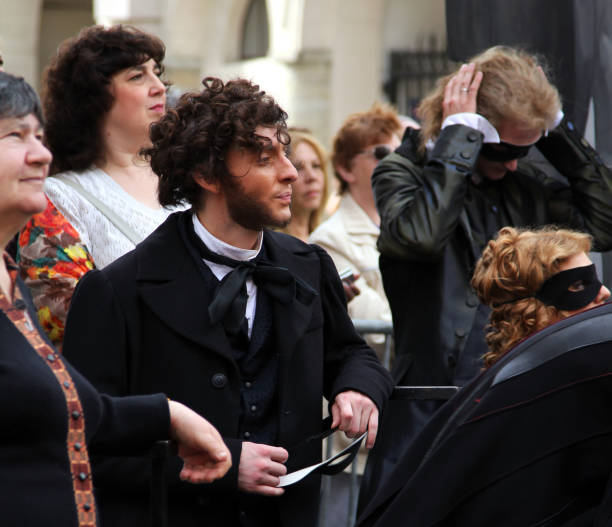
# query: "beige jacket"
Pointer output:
{"type": "Point", "coordinates": [349, 236]}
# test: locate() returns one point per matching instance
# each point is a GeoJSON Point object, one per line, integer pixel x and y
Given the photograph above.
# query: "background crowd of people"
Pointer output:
{"type": "Point", "coordinates": [200, 267]}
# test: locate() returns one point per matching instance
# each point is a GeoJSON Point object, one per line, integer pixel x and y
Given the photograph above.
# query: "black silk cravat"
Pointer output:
{"type": "Point", "coordinates": [230, 297]}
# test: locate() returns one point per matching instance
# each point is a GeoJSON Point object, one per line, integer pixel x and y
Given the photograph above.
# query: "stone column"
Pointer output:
{"type": "Point", "coordinates": [355, 57]}
{"type": "Point", "coordinates": [19, 37]}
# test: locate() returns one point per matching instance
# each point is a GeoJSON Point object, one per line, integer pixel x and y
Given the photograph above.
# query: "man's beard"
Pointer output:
{"type": "Point", "coordinates": [247, 211]}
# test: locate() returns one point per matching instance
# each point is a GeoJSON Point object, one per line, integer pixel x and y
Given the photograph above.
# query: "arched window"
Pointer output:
{"type": "Point", "coordinates": [255, 39]}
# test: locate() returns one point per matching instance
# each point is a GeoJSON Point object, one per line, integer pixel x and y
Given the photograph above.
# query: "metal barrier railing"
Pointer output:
{"type": "Point", "coordinates": [377, 327]}
{"type": "Point", "coordinates": [363, 327]}
{"type": "Point", "coordinates": [414, 393]}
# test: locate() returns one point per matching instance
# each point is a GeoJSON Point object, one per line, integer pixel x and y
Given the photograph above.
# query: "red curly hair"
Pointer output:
{"type": "Point", "coordinates": [510, 271]}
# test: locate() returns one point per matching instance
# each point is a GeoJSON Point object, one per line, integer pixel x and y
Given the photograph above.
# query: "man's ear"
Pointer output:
{"type": "Point", "coordinates": [212, 187]}
{"type": "Point", "coordinates": [345, 174]}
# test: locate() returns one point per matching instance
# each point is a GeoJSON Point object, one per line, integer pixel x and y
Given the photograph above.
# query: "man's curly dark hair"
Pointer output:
{"type": "Point", "coordinates": [76, 95]}
{"type": "Point", "coordinates": [193, 138]}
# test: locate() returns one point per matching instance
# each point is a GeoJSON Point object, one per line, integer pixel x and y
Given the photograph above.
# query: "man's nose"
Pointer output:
{"type": "Point", "coordinates": [287, 170]}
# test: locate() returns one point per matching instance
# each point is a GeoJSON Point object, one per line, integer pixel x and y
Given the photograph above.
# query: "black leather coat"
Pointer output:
{"type": "Point", "coordinates": [437, 215]}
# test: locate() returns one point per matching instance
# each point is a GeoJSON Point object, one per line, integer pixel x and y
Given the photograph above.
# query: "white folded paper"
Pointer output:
{"type": "Point", "coordinates": [294, 477]}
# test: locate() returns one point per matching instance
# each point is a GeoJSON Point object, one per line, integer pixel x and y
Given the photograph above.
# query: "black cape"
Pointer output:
{"type": "Point", "coordinates": [528, 442]}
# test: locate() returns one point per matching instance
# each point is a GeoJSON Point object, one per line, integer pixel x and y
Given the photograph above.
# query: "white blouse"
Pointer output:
{"type": "Point", "coordinates": [104, 241]}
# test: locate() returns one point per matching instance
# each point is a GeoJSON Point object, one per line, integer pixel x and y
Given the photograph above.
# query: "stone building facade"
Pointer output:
{"type": "Point", "coordinates": [322, 59]}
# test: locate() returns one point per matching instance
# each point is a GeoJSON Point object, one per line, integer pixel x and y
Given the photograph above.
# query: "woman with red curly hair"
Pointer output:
{"type": "Point", "coordinates": [528, 441]}
{"type": "Point", "coordinates": [531, 279]}
{"type": "Point", "coordinates": [101, 93]}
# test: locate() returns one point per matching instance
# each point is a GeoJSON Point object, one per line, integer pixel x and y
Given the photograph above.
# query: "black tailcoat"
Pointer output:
{"type": "Point", "coordinates": [527, 443]}
{"type": "Point", "coordinates": [146, 324]}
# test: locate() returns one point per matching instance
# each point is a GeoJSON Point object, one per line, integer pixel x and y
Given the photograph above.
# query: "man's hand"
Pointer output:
{"type": "Point", "coordinates": [461, 91]}
{"type": "Point", "coordinates": [260, 468]}
{"type": "Point", "coordinates": [350, 289]}
{"type": "Point", "coordinates": [205, 456]}
{"type": "Point", "coordinates": [354, 413]}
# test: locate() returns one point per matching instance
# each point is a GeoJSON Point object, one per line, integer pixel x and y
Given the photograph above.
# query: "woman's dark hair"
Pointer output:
{"type": "Point", "coordinates": [18, 98]}
{"type": "Point", "coordinates": [194, 136]}
{"type": "Point", "coordinates": [76, 95]}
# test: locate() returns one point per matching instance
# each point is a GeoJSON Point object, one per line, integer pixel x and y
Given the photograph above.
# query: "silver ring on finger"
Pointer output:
{"type": "Point", "coordinates": [463, 88]}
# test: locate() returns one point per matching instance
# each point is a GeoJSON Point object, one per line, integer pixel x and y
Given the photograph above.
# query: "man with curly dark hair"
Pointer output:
{"type": "Point", "coordinates": [246, 325]}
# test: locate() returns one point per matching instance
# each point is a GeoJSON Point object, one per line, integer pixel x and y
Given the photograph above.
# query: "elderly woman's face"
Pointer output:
{"type": "Point", "coordinates": [24, 164]}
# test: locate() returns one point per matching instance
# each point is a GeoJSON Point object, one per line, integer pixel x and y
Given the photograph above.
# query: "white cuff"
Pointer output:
{"type": "Point", "coordinates": [557, 122]}
{"type": "Point", "coordinates": [476, 121]}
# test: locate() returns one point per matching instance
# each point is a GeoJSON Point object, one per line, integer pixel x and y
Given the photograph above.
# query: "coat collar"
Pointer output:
{"type": "Point", "coordinates": [179, 292]}
{"type": "Point", "coordinates": [354, 218]}
{"type": "Point", "coordinates": [174, 288]}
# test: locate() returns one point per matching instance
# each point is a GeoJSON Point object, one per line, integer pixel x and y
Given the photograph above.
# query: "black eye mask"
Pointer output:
{"type": "Point", "coordinates": [503, 151]}
{"type": "Point", "coordinates": [556, 290]}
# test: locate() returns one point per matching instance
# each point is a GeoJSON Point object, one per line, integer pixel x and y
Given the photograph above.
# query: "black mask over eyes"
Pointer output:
{"type": "Point", "coordinates": [570, 289]}
{"type": "Point", "coordinates": [503, 151]}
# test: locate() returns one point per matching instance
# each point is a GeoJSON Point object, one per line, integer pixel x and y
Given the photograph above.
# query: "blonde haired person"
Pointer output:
{"type": "Point", "coordinates": [311, 188]}
{"type": "Point", "coordinates": [516, 91]}
{"type": "Point", "coordinates": [445, 192]}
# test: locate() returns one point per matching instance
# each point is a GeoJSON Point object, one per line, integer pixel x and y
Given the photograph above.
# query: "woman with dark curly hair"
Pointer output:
{"type": "Point", "coordinates": [101, 93]}
{"type": "Point", "coordinates": [528, 441]}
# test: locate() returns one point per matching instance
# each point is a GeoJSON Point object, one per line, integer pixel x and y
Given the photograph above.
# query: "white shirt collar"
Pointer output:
{"type": "Point", "coordinates": [220, 247]}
